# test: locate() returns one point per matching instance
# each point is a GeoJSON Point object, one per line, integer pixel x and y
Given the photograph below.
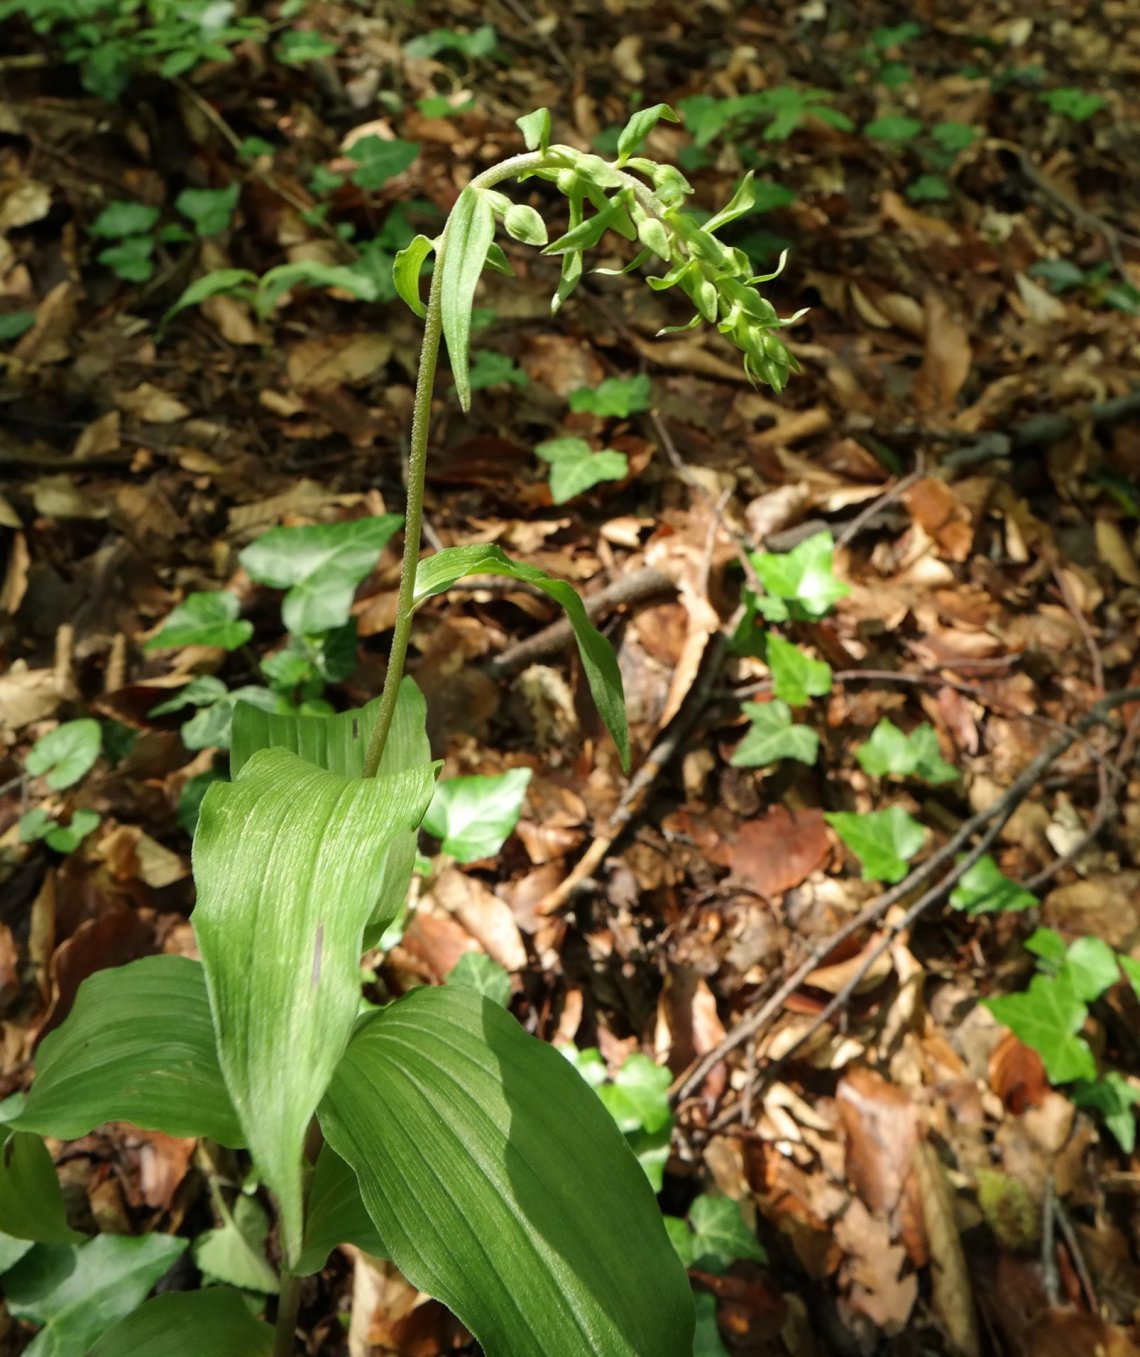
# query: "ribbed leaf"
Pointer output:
{"type": "Point", "coordinates": [289, 862]}
{"type": "Point", "coordinates": [440, 571]}
{"type": "Point", "coordinates": [212, 1323]}
{"type": "Point", "coordinates": [470, 230]}
{"type": "Point", "coordinates": [137, 1046]}
{"type": "Point", "coordinates": [335, 1214]}
{"type": "Point", "coordinates": [502, 1186]}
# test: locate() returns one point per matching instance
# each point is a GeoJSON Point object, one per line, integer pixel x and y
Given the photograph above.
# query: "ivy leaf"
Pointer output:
{"type": "Point", "coordinates": [65, 754]}
{"type": "Point", "coordinates": [638, 1096]}
{"type": "Point", "coordinates": [1115, 1099]}
{"type": "Point", "coordinates": [473, 816]}
{"type": "Point", "coordinates": [796, 676]}
{"type": "Point", "coordinates": [1048, 1017]}
{"type": "Point", "coordinates": [477, 971]}
{"type": "Point", "coordinates": [77, 1292]}
{"type": "Point", "coordinates": [894, 127]}
{"type": "Point", "coordinates": [235, 1252]}
{"type": "Point", "coordinates": [1091, 966]}
{"type": "Point", "coordinates": [773, 736]}
{"type": "Point", "coordinates": [123, 219]}
{"type": "Point", "coordinates": [491, 368]}
{"type": "Point", "coordinates": [884, 841]}
{"type": "Point", "coordinates": [210, 209]}
{"type": "Point", "coordinates": [470, 231]}
{"type": "Point", "coordinates": [639, 127]}
{"type": "Point", "coordinates": [1049, 945]}
{"type": "Point", "coordinates": [1131, 970]}
{"type": "Point", "coordinates": [985, 889]}
{"type": "Point", "coordinates": [321, 566]}
{"type": "Point", "coordinates": [720, 1235]}
{"type": "Point", "coordinates": [619, 397]}
{"type": "Point", "coordinates": [379, 160]}
{"type": "Point", "coordinates": [67, 838]}
{"type": "Point", "coordinates": [575, 466]}
{"type": "Point", "coordinates": [891, 753]}
{"type": "Point", "coordinates": [803, 577]}
{"type": "Point", "coordinates": [205, 619]}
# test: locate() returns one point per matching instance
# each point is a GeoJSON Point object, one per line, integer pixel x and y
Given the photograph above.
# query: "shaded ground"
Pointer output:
{"type": "Point", "coordinates": [965, 426]}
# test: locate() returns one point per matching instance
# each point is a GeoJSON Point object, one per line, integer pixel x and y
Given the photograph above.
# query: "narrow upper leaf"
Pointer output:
{"type": "Point", "coordinates": [440, 571]}
{"type": "Point", "coordinates": [289, 861]}
{"type": "Point", "coordinates": [470, 231]}
{"type": "Point", "coordinates": [502, 1186]}
{"type": "Point", "coordinates": [406, 272]}
{"type": "Point", "coordinates": [639, 127]}
{"type": "Point", "coordinates": [137, 1046]}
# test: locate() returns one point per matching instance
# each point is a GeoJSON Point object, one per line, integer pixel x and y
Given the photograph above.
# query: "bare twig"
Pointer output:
{"type": "Point", "coordinates": [876, 507]}
{"type": "Point", "coordinates": [988, 823]}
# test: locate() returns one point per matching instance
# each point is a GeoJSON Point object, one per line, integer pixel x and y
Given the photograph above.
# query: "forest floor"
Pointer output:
{"type": "Point", "coordinates": [956, 185]}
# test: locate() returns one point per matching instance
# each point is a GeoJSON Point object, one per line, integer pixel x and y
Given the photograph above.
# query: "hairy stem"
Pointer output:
{"type": "Point", "coordinates": [288, 1303]}
{"type": "Point", "coordinates": [417, 458]}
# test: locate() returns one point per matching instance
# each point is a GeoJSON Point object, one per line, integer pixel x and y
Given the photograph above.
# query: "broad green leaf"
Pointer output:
{"type": "Point", "coordinates": [524, 224]}
{"type": "Point", "coordinates": [379, 160]}
{"type": "Point", "coordinates": [335, 1215]}
{"type": "Point", "coordinates": [123, 219]}
{"type": "Point", "coordinates": [205, 619]}
{"type": "Point", "coordinates": [130, 258]}
{"type": "Point", "coordinates": [639, 127]}
{"type": "Point", "coordinates": [321, 566]}
{"type": "Point", "coordinates": [929, 188]}
{"type": "Point", "coordinates": [473, 816]}
{"type": "Point", "coordinates": [985, 889]}
{"type": "Point", "coordinates": [469, 233]}
{"type": "Point", "coordinates": [65, 754]}
{"type": "Point", "coordinates": [575, 466]}
{"type": "Point", "coordinates": [477, 971]}
{"type": "Point", "coordinates": [440, 571]}
{"type": "Point", "coordinates": [213, 284]}
{"type": "Point", "coordinates": [616, 396]}
{"type": "Point", "coordinates": [202, 691]}
{"type": "Point", "coordinates": [535, 128]}
{"type": "Point", "coordinates": [406, 273]}
{"type": "Point", "coordinates": [894, 127]}
{"type": "Point", "coordinates": [773, 736]}
{"type": "Point", "coordinates": [1048, 1017]}
{"type": "Point", "coordinates": [796, 677]}
{"type": "Point", "coordinates": [480, 42]}
{"type": "Point", "coordinates": [1092, 967]}
{"type": "Point", "coordinates": [210, 209]}
{"type": "Point", "coordinates": [891, 753]}
{"type": "Point", "coordinates": [31, 1203]}
{"type": "Point", "coordinates": [1049, 945]}
{"type": "Point", "coordinates": [501, 1185]}
{"type": "Point", "coordinates": [289, 862]}
{"type": "Point", "coordinates": [1131, 970]}
{"type": "Point", "coordinates": [211, 1323]}
{"type": "Point", "coordinates": [211, 725]}
{"type": "Point", "coordinates": [803, 577]}
{"type": "Point", "coordinates": [77, 1292]}
{"type": "Point", "coordinates": [720, 1235]}
{"type": "Point", "coordinates": [137, 1046]}
{"type": "Point", "coordinates": [884, 841]}
{"type": "Point", "coordinates": [234, 1253]}
{"type": "Point", "coordinates": [339, 744]}
{"type": "Point", "coordinates": [12, 1250]}
{"type": "Point", "coordinates": [1115, 1099]}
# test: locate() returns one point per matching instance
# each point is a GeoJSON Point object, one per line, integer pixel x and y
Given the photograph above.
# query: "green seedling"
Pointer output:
{"type": "Point", "coordinates": [447, 1134]}
{"type": "Point", "coordinates": [884, 841]}
{"type": "Point", "coordinates": [1053, 1013]}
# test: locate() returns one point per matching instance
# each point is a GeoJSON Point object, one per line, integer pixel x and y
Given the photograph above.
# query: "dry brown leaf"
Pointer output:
{"type": "Point", "coordinates": [946, 360]}
{"type": "Point", "coordinates": [487, 918]}
{"type": "Point", "coordinates": [149, 404]}
{"type": "Point", "coordinates": [882, 1133]}
{"type": "Point", "coordinates": [1113, 549]}
{"type": "Point", "coordinates": [101, 436]}
{"type": "Point", "coordinates": [24, 202]}
{"type": "Point", "coordinates": [779, 851]}
{"type": "Point", "coordinates": [951, 1294]}
{"type": "Point", "coordinates": [1017, 1074]}
{"type": "Point", "coordinates": [872, 1270]}
{"type": "Point", "coordinates": [942, 516]}
{"type": "Point", "coordinates": [321, 363]}
{"type": "Point", "coordinates": [48, 339]}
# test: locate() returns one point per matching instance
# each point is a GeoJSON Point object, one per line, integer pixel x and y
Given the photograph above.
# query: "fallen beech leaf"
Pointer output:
{"type": "Point", "coordinates": [335, 360]}
{"type": "Point", "coordinates": [1113, 549]}
{"type": "Point", "coordinates": [779, 851]}
{"type": "Point", "coordinates": [1017, 1074]}
{"type": "Point", "coordinates": [882, 1133]}
{"type": "Point", "coordinates": [946, 360]}
{"type": "Point", "coordinates": [150, 405]}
